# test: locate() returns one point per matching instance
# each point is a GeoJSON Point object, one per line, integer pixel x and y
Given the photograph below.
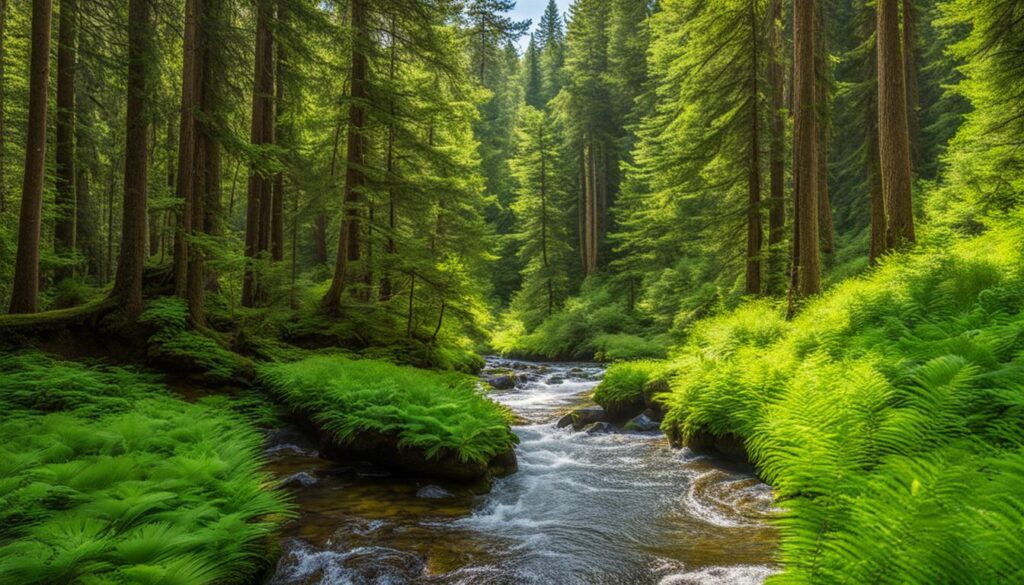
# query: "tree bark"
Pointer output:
{"type": "Point", "coordinates": [777, 165]}
{"type": "Point", "coordinates": [64, 224]}
{"type": "Point", "coordinates": [3, 102]}
{"type": "Point", "coordinates": [754, 235]}
{"type": "Point", "coordinates": [277, 213]}
{"type": "Point", "coordinates": [805, 151]}
{"type": "Point", "coordinates": [132, 257]}
{"type": "Point", "coordinates": [186, 146]}
{"type": "Point", "coordinates": [25, 288]}
{"type": "Point", "coordinates": [826, 232]}
{"type": "Point", "coordinates": [348, 237]}
{"type": "Point", "coordinates": [257, 224]}
{"type": "Point", "coordinates": [893, 132]}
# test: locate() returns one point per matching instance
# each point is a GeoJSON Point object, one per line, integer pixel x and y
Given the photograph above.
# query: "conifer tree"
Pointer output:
{"type": "Point", "coordinates": [25, 288]}
{"type": "Point", "coordinates": [894, 134]}
{"type": "Point", "coordinates": [806, 272]}
{"type": "Point", "coordinates": [64, 225]}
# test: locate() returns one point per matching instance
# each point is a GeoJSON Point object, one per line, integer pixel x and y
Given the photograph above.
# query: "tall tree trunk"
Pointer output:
{"type": "Point", "coordinates": [777, 165]}
{"type": "Point", "coordinates": [823, 107]}
{"type": "Point", "coordinates": [805, 150]}
{"type": "Point", "coordinates": [754, 234]}
{"type": "Point", "coordinates": [132, 258]}
{"type": "Point", "coordinates": [277, 213]}
{"type": "Point", "coordinates": [386, 285]}
{"type": "Point", "coordinates": [910, 75]}
{"type": "Point", "coordinates": [348, 237]}
{"type": "Point", "coordinates": [25, 288]}
{"type": "Point", "coordinates": [87, 219]}
{"type": "Point", "coordinates": [544, 220]}
{"type": "Point", "coordinates": [64, 224]}
{"type": "Point", "coordinates": [3, 106]}
{"type": "Point", "coordinates": [893, 132]}
{"type": "Point", "coordinates": [257, 223]}
{"type": "Point", "coordinates": [186, 145]}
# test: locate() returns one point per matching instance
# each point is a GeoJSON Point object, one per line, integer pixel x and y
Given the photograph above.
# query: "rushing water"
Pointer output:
{"type": "Point", "coordinates": [601, 508]}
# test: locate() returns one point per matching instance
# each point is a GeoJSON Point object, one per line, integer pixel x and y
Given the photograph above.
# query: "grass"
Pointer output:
{"type": "Point", "coordinates": [430, 411]}
{"type": "Point", "coordinates": [888, 415]}
{"type": "Point", "coordinates": [106, 478]}
{"type": "Point", "coordinates": [627, 383]}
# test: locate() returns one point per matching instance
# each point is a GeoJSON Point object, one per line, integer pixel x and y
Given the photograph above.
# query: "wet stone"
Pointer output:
{"type": "Point", "coordinates": [300, 479]}
{"type": "Point", "coordinates": [433, 492]}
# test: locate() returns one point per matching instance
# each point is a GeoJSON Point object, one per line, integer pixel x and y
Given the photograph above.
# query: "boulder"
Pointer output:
{"type": "Point", "coordinates": [599, 428]}
{"type": "Point", "coordinates": [555, 380]}
{"type": "Point", "coordinates": [300, 479]}
{"type": "Point", "coordinates": [642, 423]}
{"type": "Point", "coordinates": [582, 417]}
{"type": "Point", "coordinates": [503, 382]}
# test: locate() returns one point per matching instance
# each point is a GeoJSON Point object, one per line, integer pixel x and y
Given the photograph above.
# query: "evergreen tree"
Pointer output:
{"type": "Point", "coordinates": [542, 233]}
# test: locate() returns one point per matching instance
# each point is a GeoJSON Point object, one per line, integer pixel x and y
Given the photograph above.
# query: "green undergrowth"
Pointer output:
{"type": "Point", "coordinates": [426, 410]}
{"type": "Point", "coordinates": [888, 415]}
{"type": "Point", "coordinates": [594, 325]}
{"type": "Point", "coordinates": [106, 478]}
{"type": "Point", "coordinates": [181, 348]}
{"type": "Point", "coordinates": [627, 383]}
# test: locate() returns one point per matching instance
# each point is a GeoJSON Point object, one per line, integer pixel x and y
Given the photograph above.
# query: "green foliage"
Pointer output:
{"type": "Point", "coordinates": [108, 479]}
{"type": "Point", "coordinates": [175, 343]}
{"type": "Point", "coordinates": [429, 411]}
{"type": "Point", "coordinates": [592, 323]}
{"type": "Point", "coordinates": [888, 415]}
{"type": "Point", "coordinates": [627, 383]}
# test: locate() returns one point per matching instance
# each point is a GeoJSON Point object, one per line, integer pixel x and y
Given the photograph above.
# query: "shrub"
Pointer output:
{"type": "Point", "coordinates": [430, 411]}
{"type": "Point", "coordinates": [888, 415]}
{"type": "Point", "coordinates": [108, 479]}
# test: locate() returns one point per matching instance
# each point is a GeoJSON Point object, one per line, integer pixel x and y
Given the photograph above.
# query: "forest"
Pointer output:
{"type": "Point", "coordinates": [460, 291]}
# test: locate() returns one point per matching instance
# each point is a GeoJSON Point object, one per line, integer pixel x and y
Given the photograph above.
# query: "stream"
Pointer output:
{"type": "Point", "coordinates": [587, 508]}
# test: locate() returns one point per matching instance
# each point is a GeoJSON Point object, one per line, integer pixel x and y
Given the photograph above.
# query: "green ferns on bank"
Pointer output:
{"type": "Point", "coordinates": [888, 415]}
{"type": "Point", "coordinates": [426, 410]}
{"type": "Point", "coordinates": [627, 383]}
{"type": "Point", "coordinates": [106, 478]}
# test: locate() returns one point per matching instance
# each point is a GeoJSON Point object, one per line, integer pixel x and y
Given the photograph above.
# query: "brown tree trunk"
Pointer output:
{"type": "Point", "coordinates": [777, 165]}
{"type": "Point", "coordinates": [348, 237]}
{"type": "Point", "coordinates": [186, 146]}
{"type": "Point", "coordinates": [64, 223]}
{"type": "Point", "coordinates": [277, 213]}
{"type": "Point", "coordinates": [25, 288]}
{"type": "Point", "coordinates": [132, 257]}
{"type": "Point", "coordinates": [386, 285]}
{"type": "Point", "coordinates": [823, 107]}
{"type": "Point", "coordinates": [257, 223]}
{"type": "Point", "coordinates": [3, 102]}
{"type": "Point", "coordinates": [910, 74]}
{"type": "Point", "coordinates": [754, 235]}
{"type": "Point", "coordinates": [805, 151]}
{"type": "Point", "coordinates": [893, 132]}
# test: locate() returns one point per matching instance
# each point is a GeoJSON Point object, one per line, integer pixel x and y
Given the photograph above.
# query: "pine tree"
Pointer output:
{"type": "Point", "coordinates": [551, 44]}
{"type": "Point", "coordinates": [25, 289]}
{"type": "Point", "coordinates": [491, 30]}
{"type": "Point", "coordinates": [64, 225]}
{"type": "Point", "coordinates": [131, 260]}
{"type": "Point", "coordinates": [541, 232]}
{"type": "Point", "coordinates": [806, 271]}
{"type": "Point", "coordinates": [894, 136]}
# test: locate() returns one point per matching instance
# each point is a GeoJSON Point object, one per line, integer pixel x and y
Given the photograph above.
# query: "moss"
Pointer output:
{"type": "Point", "coordinates": [434, 412]}
{"type": "Point", "coordinates": [106, 478]}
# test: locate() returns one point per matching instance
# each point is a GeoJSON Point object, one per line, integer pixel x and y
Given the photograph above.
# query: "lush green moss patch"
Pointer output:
{"type": "Point", "coordinates": [106, 478]}
{"type": "Point", "coordinates": [426, 410]}
{"type": "Point", "coordinates": [888, 415]}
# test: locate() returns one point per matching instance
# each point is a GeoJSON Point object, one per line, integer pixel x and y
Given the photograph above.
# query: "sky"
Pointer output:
{"type": "Point", "coordinates": [534, 9]}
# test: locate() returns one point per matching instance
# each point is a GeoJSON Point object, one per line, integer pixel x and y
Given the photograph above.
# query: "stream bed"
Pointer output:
{"type": "Point", "coordinates": [584, 508]}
